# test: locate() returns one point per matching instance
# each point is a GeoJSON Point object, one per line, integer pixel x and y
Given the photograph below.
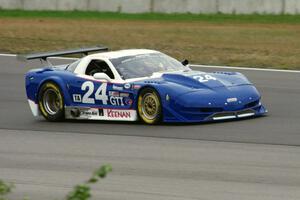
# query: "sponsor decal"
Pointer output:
{"type": "Point", "coordinates": [77, 98]}
{"type": "Point", "coordinates": [113, 93]}
{"type": "Point", "coordinates": [116, 101]}
{"type": "Point", "coordinates": [204, 78]}
{"type": "Point", "coordinates": [136, 87]}
{"type": "Point", "coordinates": [128, 101]}
{"type": "Point", "coordinates": [123, 114]}
{"type": "Point", "coordinates": [101, 112]}
{"type": "Point", "coordinates": [230, 100]}
{"type": "Point", "coordinates": [90, 112]}
{"type": "Point", "coordinates": [127, 86]}
{"type": "Point", "coordinates": [115, 87]}
{"type": "Point", "coordinates": [124, 94]}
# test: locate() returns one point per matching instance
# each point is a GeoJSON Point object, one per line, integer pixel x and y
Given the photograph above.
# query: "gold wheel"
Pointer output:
{"type": "Point", "coordinates": [51, 102]}
{"type": "Point", "coordinates": [149, 106]}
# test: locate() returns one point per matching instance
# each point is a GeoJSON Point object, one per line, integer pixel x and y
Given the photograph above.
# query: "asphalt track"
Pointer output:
{"type": "Point", "coordinates": [280, 91]}
{"type": "Point", "coordinates": [257, 158]}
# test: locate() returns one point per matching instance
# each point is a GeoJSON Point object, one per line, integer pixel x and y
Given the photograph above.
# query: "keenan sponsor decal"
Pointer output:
{"type": "Point", "coordinates": [118, 114]}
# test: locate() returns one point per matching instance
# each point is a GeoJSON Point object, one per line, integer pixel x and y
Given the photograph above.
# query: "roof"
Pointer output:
{"type": "Point", "coordinates": [121, 53]}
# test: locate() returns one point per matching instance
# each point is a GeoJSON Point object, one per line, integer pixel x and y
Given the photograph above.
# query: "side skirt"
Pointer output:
{"type": "Point", "coordinates": [88, 113]}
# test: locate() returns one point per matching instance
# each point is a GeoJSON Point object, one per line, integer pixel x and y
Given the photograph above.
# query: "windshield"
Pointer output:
{"type": "Point", "coordinates": [145, 65]}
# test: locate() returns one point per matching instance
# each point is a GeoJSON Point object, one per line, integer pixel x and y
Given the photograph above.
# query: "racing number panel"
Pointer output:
{"type": "Point", "coordinates": [95, 99]}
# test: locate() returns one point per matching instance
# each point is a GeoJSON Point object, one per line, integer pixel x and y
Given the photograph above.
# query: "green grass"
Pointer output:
{"type": "Point", "coordinates": [270, 41]}
{"type": "Point", "coordinates": [212, 18]}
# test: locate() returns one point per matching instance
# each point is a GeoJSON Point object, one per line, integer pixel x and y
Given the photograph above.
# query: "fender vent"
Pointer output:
{"type": "Point", "coordinates": [252, 104]}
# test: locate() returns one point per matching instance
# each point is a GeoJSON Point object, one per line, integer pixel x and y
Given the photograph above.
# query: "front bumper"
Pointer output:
{"type": "Point", "coordinates": [237, 114]}
{"type": "Point", "coordinates": [176, 116]}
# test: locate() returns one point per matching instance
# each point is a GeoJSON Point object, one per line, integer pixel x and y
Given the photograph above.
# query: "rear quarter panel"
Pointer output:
{"type": "Point", "coordinates": [34, 79]}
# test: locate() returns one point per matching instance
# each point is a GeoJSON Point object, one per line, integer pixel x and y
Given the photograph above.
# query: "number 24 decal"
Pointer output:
{"type": "Point", "coordinates": [204, 78]}
{"type": "Point", "coordinates": [100, 94]}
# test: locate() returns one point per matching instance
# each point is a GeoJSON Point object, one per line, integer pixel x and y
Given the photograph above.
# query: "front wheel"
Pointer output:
{"type": "Point", "coordinates": [149, 106]}
{"type": "Point", "coordinates": [51, 102]}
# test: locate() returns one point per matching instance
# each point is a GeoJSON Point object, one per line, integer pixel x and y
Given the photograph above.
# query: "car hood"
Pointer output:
{"type": "Point", "coordinates": [216, 89]}
{"type": "Point", "coordinates": [203, 80]}
{"type": "Point", "coordinates": [230, 97]}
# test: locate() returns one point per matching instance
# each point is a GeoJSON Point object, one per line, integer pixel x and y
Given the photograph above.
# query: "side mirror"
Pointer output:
{"type": "Point", "coordinates": [101, 76]}
{"type": "Point", "coordinates": [185, 62]}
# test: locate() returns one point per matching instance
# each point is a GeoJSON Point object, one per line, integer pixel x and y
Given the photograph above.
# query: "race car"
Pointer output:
{"type": "Point", "coordinates": [137, 84]}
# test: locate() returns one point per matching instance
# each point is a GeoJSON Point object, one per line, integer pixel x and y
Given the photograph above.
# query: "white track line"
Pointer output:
{"type": "Point", "coordinates": [200, 66]}
{"type": "Point", "coordinates": [246, 68]}
{"type": "Point", "coordinates": [8, 55]}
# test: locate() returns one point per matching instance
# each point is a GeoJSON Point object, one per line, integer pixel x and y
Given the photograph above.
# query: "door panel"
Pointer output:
{"type": "Point", "coordinates": [94, 93]}
{"type": "Point", "coordinates": [100, 100]}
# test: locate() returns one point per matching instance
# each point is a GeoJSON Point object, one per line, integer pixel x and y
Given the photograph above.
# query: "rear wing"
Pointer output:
{"type": "Point", "coordinates": [44, 56]}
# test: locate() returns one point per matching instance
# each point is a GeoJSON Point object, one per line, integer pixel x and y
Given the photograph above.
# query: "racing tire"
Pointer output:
{"type": "Point", "coordinates": [149, 106]}
{"type": "Point", "coordinates": [51, 102]}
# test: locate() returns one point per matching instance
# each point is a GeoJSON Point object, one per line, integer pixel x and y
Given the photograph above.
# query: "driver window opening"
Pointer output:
{"type": "Point", "coordinates": [99, 66]}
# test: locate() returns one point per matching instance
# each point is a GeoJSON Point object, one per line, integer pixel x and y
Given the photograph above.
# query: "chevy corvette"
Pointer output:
{"type": "Point", "coordinates": [136, 84]}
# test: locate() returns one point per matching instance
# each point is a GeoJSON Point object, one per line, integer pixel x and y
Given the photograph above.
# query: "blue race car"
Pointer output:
{"type": "Point", "coordinates": [129, 85]}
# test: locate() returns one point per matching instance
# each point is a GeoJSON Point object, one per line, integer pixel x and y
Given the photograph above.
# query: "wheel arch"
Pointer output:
{"type": "Point", "coordinates": [145, 87]}
{"type": "Point", "coordinates": [160, 97]}
{"type": "Point", "coordinates": [60, 83]}
{"type": "Point", "coordinates": [167, 93]}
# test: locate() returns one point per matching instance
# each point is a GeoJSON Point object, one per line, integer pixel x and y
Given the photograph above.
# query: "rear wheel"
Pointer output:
{"type": "Point", "coordinates": [149, 106]}
{"type": "Point", "coordinates": [51, 102]}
